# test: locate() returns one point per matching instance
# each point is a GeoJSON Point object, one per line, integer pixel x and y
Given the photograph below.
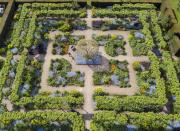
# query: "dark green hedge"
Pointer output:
{"type": "Point", "coordinates": [135, 1]}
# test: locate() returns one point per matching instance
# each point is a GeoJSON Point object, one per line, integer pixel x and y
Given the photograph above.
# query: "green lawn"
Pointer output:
{"type": "Point", "coordinates": [174, 4]}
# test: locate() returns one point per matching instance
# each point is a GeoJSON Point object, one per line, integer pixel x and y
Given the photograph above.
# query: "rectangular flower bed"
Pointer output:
{"type": "Point", "coordinates": [60, 74]}
{"type": "Point", "coordinates": [117, 75]}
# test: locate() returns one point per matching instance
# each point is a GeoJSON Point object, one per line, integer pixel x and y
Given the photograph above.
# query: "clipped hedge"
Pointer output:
{"type": "Point", "coordinates": [123, 1]}
{"type": "Point", "coordinates": [43, 118]}
{"type": "Point", "coordinates": [108, 120]}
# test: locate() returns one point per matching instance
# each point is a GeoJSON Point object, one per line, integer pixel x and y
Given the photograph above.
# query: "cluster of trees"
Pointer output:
{"type": "Point", "coordinates": [108, 120]}
{"type": "Point", "coordinates": [43, 118]}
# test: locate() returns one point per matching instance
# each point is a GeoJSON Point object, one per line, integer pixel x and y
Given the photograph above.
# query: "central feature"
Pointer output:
{"type": "Point", "coordinates": [87, 53]}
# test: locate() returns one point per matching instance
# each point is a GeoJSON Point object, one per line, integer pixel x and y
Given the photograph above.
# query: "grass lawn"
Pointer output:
{"type": "Point", "coordinates": [174, 4]}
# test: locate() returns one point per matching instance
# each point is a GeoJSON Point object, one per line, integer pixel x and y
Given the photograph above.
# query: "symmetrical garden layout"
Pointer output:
{"type": "Point", "coordinates": [65, 67]}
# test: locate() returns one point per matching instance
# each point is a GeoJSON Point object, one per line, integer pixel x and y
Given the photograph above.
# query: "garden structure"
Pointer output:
{"type": "Point", "coordinates": [67, 67]}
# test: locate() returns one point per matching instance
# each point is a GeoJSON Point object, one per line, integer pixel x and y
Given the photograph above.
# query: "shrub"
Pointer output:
{"type": "Point", "coordinates": [137, 65]}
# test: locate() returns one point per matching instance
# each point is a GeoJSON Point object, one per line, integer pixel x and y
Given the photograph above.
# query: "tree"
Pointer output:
{"type": "Point", "coordinates": [87, 48]}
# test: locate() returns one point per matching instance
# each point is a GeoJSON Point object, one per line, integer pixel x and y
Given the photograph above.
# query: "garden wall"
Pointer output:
{"type": "Point", "coordinates": [6, 19]}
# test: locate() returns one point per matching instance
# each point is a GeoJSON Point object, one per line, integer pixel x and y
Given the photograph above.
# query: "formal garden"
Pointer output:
{"type": "Point", "coordinates": [63, 62]}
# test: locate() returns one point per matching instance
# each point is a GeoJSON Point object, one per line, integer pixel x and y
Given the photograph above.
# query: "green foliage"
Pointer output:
{"type": "Point", "coordinates": [52, 6]}
{"type": "Point", "coordinates": [107, 120]}
{"type": "Point", "coordinates": [172, 80]}
{"type": "Point", "coordinates": [136, 65]}
{"type": "Point", "coordinates": [43, 118]}
{"type": "Point", "coordinates": [18, 78]}
{"type": "Point", "coordinates": [1, 64]}
{"type": "Point", "coordinates": [16, 39]}
{"type": "Point", "coordinates": [67, 100]}
{"type": "Point", "coordinates": [4, 72]}
{"type": "Point", "coordinates": [138, 103]}
{"type": "Point", "coordinates": [117, 68]}
{"type": "Point", "coordinates": [114, 14]}
{"type": "Point", "coordinates": [64, 26]}
{"type": "Point", "coordinates": [112, 46]}
{"type": "Point", "coordinates": [60, 69]}
{"type": "Point", "coordinates": [139, 6]}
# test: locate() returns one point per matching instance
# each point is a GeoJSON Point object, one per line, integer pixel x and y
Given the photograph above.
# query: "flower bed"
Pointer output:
{"type": "Point", "coordinates": [69, 25]}
{"type": "Point", "coordinates": [8, 74]}
{"type": "Point", "coordinates": [60, 74]}
{"type": "Point", "coordinates": [137, 43]}
{"type": "Point", "coordinates": [117, 75]}
{"type": "Point", "coordinates": [113, 44]}
{"type": "Point", "coordinates": [146, 83]}
{"type": "Point", "coordinates": [31, 77]}
{"type": "Point", "coordinates": [62, 42]}
{"type": "Point", "coordinates": [64, 25]}
{"type": "Point", "coordinates": [117, 24]}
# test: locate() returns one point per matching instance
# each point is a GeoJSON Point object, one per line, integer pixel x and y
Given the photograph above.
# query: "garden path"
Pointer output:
{"type": "Point", "coordinates": [8, 104]}
{"type": "Point", "coordinates": [3, 58]}
{"type": "Point", "coordinates": [88, 88]}
{"type": "Point", "coordinates": [88, 34]}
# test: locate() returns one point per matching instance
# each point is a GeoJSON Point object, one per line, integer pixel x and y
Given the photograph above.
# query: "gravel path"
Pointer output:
{"type": "Point", "coordinates": [8, 104]}
{"type": "Point", "coordinates": [3, 58]}
{"type": "Point", "coordinates": [88, 88]}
